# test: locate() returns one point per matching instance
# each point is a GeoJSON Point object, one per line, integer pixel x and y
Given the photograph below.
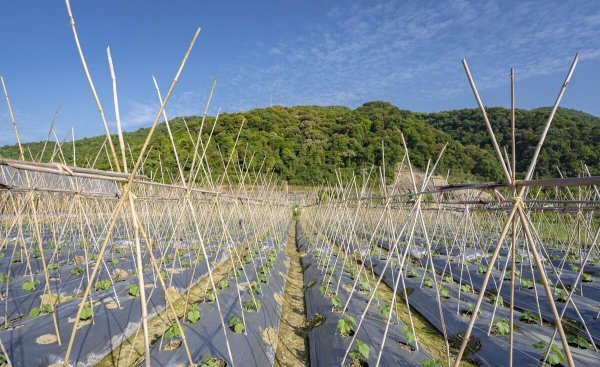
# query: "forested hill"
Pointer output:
{"type": "Point", "coordinates": [304, 144]}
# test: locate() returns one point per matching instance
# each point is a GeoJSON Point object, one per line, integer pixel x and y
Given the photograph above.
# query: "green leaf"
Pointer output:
{"type": "Point", "coordinates": [224, 283]}
{"type": "Point", "coordinates": [408, 334]}
{"type": "Point", "coordinates": [34, 312]}
{"type": "Point", "coordinates": [193, 316]}
{"type": "Point", "coordinates": [30, 285]}
{"type": "Point", "coordinates": [363, 348]}
{"type": "Point", "coordinates": [102, 285]}
{"type": "Point", "coordinates": [335, 300]}
{"type": "Point", "coordinates": [86, 313]}
{"type": "Point", "coordinates": [431, 363]}
{"type": "Point", "coordinates": [172, 332]}
{"type": "Point", "coordinates": [133, 290]}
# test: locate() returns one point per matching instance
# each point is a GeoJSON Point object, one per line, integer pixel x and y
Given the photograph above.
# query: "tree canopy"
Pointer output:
{"type": "Point", "coordinates": [305, 144]}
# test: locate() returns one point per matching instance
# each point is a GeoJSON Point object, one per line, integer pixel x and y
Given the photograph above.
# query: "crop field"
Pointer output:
{"type": "Point", "coordinates": [184, 243]}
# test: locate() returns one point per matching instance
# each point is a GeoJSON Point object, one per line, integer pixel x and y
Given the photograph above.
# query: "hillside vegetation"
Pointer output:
{"type": "Point", "coordinates": [304, 144]}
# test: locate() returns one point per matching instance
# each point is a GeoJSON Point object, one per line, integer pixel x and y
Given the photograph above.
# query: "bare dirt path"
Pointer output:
{"type": "Point", "coordinates": [293, 348]}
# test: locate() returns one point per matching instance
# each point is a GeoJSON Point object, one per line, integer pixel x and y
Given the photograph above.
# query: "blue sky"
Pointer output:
{"type": "Point", "coordinates": [295, 52]}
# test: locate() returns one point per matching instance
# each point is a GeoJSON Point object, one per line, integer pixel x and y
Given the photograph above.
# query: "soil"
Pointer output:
{"type": "Point", "coordinates": [293, 350]}
{"type": "Point", "coordinates": [46, 339]}
{"type": "Point", "coordinates": [269, 336]}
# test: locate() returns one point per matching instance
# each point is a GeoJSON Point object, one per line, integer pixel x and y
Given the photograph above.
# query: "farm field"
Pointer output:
{"type": "Point", "coordinates": [353, 234]}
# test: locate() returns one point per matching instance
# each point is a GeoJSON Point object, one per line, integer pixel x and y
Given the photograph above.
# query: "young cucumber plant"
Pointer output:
{"type": "Point", "coordinates": [496, 300]}
{"type": "Point", "coordinates": [529, 317]}
{"type": "Point", "coordinates": [408, 334]}
{"type": "Point", "coordinates": [224, 283]}
{"type": "Point", "coordinates": [360, 352]}
{"type": "Point", "coordinates": [501, 326]}
{"type": "Point", "coordinates": [384, 310]}
{"type": "Point", "coordinates": [43, 309]}
{"type": "Point", "coordinates": [86, 313]}
{"type": "Point", "coordinates": [210, 361]}
{"type": "Point", "coordinates": [526, 283]}
{"type": "Point", "coordinates": [431, 363]}
{"type": "Point", "coordinates": [444, 293]}
{"type": "Point", "coordinates": [133, 290]}
{"type": "Point", "coordinates": [561, 295]}
{"type": "Point", "coordinates": [254, 289]}
{"type": "Point", "coordinates": [30, 285]}
{"type": "Point", "coordinates": [555, 357]}
{"type": "Point", "coordinates": [173, 332]}
{"type": "Point", "coordinates": [345, 324]}
{"type": "Point", "coordinates": [210, 296]}
{"type": "Point", "coordinates": [252, 304]}
{"type": "Point", "coordinates": [194, 314]}
{"type": "Point", "coordinates": [102, 285]}
{"type": "Point", "coordinates": [236, 324]}
{"type": "Point", "coordinates": [336, 302]}
{"type": "Point", "coordinates": [577, 341]}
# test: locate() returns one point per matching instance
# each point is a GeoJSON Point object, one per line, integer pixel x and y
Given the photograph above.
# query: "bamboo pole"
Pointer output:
{"type": "Point", "coordinates": [91, 84]}
{"type": "Point", "coordinates": [122, 199]}
{"type": "Point", "coordinates": [117, 112]}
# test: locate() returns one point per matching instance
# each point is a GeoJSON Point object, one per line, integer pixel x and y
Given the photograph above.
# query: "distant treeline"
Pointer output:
{"type": "Point", "coordinates": [304, 145]}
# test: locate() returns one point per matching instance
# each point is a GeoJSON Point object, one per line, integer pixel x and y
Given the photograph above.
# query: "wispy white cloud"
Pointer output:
{"type": "Point", "coordinates": [392, 49]}
{"type": "Point", "coordinates": [142, 114]}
